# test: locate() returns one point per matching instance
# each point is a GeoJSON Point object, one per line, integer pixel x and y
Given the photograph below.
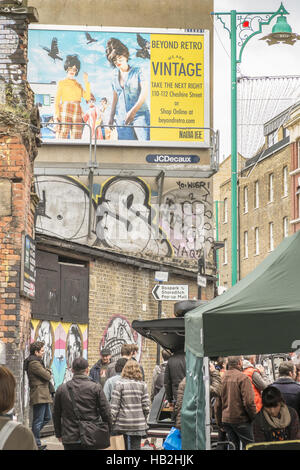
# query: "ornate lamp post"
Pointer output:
{"type": "Point", "coordinates": [242, 26]}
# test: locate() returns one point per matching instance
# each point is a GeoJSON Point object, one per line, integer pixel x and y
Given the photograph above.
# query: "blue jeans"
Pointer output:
{"type": "Point", "coordinates": [136, 133]}
{"type": "Point", "coordinates": [41, 416]}
{"type": "Point", "coordinates": [239, 434]}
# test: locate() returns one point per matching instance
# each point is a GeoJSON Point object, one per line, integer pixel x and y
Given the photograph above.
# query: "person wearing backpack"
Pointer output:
{"type": "Point", "coordinates": [13, 435]}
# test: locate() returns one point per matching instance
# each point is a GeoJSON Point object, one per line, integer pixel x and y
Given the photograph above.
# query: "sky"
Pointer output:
{"type": "Point", "coordinates": [258, 59]}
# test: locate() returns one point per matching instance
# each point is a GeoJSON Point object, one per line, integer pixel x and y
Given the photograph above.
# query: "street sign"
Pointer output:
{"type": "Point", "coordinates": [171, 292]}
{"type": "Point", "coordinates": [201, 280]}
{"type": "Point", "coordinates": [161, 276]}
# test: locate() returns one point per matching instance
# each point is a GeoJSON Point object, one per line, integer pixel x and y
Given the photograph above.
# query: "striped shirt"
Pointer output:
{"type": "Point", "coordinates": [130, 405]}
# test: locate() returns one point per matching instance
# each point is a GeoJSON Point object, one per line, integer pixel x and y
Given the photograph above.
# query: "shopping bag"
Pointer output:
{"type": "Point", "coordinates": [116, 443]}
{"type": "Point", "coordinates": [173, 440]}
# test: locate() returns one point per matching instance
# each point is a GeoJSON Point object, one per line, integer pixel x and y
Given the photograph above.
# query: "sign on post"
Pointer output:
{"type": "Point", "coordinates": [171, 292]}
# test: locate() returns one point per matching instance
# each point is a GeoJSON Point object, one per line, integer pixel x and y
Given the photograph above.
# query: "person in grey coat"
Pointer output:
{"type": "Point", "coordinates": [130, 406]}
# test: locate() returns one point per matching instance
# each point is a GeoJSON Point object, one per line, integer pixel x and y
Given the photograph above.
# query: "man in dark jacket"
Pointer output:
{"type": "Point", "coordinates": [126, 353]}
{"type": "Point", "coordinates": [90, 400]}
{"type": "Point", "coordinates": [290, 389]}
{"type": "Point", "coordinates": [174, 373]}
{"type": "Point", "coordinates": [39, 378]}
{"type": "Point", "coordinates": [235, 407]}
{"type": "Point", "coordinates": [98, 372]}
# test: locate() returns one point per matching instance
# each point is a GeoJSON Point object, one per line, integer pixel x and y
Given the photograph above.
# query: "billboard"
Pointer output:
{"type": "Point", "coordinates": [129, 86]}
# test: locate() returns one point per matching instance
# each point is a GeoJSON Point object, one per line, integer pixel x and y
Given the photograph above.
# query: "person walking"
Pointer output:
{"type": "Point", "coordinates": [175, 371]}
{"type": "Point", "coordinates": [39, 378]}
{"type": "Point", "coordinates": [254, 374]}
{"type": "Point", "coordinates": [126, 352]}
{"type": "Point", "coordinates": [13, 435]}
{"type": "Point", "coordinates": [276, 421]}
{"type": "Point", "coordinates": [130, 406]}
{"type": "Point", "coordinates": [111, 382]}
{"type": "Point", "coordinates": [98, 372]}
{"type": "Point", "coordinates": [287, 385]}
{"type": "Point", "coordinates": [235, 407]}
{"type": "Point", "coordinates": [90, 401]}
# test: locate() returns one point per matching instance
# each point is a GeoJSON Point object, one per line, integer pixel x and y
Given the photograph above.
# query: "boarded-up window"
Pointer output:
{"type": "Point", "coordinates": [61, 289]}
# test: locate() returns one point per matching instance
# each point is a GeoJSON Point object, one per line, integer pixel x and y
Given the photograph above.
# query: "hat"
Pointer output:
{"type": "Point", "coordinates": [105, 352]}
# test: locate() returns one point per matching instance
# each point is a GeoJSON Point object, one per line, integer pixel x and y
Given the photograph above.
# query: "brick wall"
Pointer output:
{"type": "Point", "coordinates": [257, 217]}
{"type": "Point", "coordinates": [117, 289]}
{"type": "Point", "coordinates": [15, 311]}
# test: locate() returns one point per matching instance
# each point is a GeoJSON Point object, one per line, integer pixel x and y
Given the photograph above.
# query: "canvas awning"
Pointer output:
{"type": "Point", "coordinates": [259, 315]}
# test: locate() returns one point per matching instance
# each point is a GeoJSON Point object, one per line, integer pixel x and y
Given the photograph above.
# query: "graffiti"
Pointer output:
{"type": "Point", "coordinates": [117, 333]}
{"type": "Point", "coordinates": [46, 335]}
{"type": "Point", "coordinates": [63, 343]}
{"type": "Point", "coordinates": [188, 219]}
{"type": "Point", "coordinates": [127, 221]}
{"type": "Point", "coordinates": [64, 208]}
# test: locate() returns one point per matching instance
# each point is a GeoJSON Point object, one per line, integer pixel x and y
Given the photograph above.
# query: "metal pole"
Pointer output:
{"type": "Point", "coordinates": [233, 151]}
{"type": "Point", "coordinates": [159, 312]}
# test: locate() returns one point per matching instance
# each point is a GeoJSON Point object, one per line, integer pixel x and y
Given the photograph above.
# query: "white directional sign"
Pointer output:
{"type": "Point", "coordinates": [171, 292]}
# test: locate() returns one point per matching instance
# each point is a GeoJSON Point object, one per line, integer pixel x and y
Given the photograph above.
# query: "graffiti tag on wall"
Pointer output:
{"type": "Point", "coordinates": [125, 219]}
{"type": "Point", "coordinates": [117, 333]}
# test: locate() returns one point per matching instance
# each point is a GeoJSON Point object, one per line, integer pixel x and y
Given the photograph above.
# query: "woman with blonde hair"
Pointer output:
{"type": "Point", "coordinates": [13, 435]}
{"type": "Point", "coordinates": [130, 406]}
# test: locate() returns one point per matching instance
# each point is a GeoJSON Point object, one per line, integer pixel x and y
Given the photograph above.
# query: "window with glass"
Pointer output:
{"type": "Point", "coordinates": [245, 244]}
{"type": "Point", "coordinates": [225, 213]}
{"type": "Point", "coordinates": [256, 195]}
{"type": "Point", "coordinates": [285, 181]}
{"type": "Point", "coordinates": [271, 236]}
{"type": "Point", "coordinates": [285, 227]}
{"type": "Point", "coordinates": [256, 238]}
{"type": "Point", "coordinates": [271, 187]}
{"type": "Point", "coordinates": [225, 252]}
{"type": "Point", "coordinates": [245, 199]}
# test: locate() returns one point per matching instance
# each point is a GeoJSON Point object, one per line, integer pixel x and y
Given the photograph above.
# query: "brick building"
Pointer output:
{"type": "Point", "coordinates": [293, 127]}
{"type": "Point", "coordinates": [19, 126]}
{"type": "Point", "coordinates": [264, 202]}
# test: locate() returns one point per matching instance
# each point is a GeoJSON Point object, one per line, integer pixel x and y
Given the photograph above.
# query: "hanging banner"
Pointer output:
{"type": "Point", "coordinates": [127, 85]}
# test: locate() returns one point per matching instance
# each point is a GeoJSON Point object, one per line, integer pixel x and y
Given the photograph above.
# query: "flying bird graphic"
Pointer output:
{"type": "Point", "coordinates": [144, 52]}
{"type": "Point", "coordinates": [53, 52]}
{"type": "Point", "coordinates": [90, 39]}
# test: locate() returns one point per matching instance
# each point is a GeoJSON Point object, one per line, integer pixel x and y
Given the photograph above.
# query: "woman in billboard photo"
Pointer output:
{"type": "Point", "coordinates": [130, 90]}
{"type": "Point", "coordinates": [68, 100]}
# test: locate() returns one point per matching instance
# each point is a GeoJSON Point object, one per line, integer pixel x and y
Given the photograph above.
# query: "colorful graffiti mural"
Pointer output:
{"type": "Point", "coordinates": [63, 343]}
{"type": "Point", "coordinates": [117, 333]}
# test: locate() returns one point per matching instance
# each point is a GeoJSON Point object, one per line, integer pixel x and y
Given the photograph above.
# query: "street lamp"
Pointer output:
{"type": "Point", "coordinates": [243, 26]}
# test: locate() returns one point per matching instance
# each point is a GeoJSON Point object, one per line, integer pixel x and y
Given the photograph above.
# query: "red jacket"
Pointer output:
{"type": "Point", "coordinates": [257, 395]}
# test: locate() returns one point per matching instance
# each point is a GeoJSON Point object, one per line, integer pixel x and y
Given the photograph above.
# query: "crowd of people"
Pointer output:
{"type": "Point", "coordinates": [245, 406]}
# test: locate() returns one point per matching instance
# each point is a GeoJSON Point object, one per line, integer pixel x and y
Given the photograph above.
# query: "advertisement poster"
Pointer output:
{"type": "Point", "coordinates": [125, 85]}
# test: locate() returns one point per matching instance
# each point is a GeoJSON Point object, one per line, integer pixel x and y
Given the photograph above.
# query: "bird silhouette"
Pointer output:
{"type": "Point", "coordinates": [53, 52]}
{"type": "Point", "coordinates": [144, 52]}
{"type": "Point", "coordinates": [90, 39]}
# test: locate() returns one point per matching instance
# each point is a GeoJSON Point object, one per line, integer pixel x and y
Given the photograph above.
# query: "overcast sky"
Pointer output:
{"type": "Point", "coordinates": [259, 59]}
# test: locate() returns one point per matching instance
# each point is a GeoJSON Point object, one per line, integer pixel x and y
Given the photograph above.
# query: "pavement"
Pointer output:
{"type": "Point", "coordinates": [53, 443]}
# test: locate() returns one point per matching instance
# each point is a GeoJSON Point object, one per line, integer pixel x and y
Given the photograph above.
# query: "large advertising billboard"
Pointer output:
{"type": "Point", "coordinates": [132, 86]}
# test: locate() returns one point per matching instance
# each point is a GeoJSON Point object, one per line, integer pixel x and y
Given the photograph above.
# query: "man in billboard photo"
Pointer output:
{"type": "Point", "coordinates": [68, 100]}
{"type": "Point", "coordinates": [130, 90]}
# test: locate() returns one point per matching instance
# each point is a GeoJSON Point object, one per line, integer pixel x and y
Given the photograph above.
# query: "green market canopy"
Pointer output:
{"type": "Point", "coordinates": [259, 315]}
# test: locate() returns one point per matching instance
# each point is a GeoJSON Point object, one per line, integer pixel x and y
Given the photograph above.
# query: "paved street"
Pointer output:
{"type": "Point", "coordinates": [53, 443]}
